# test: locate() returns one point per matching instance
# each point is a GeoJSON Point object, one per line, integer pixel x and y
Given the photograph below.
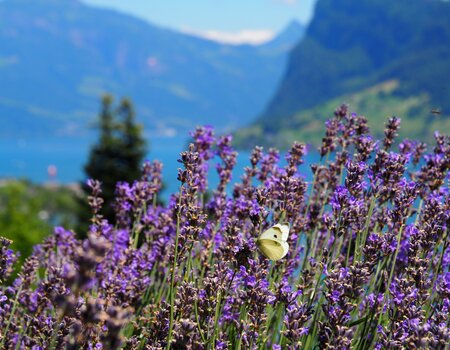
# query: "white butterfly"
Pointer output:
{"type": "Point", "coordinates": [273, 242]}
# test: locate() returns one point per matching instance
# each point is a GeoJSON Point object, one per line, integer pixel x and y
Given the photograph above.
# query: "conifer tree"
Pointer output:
{"type": "Point", "coordinates": [118, 155]}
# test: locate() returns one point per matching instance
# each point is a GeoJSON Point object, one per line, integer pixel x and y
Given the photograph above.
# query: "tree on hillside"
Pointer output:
{"type": "Point", "coordinates": [118, 155]}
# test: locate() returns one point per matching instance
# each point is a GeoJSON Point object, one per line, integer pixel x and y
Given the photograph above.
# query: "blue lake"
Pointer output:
{"type": "Point", "coordinates": [30, 158]}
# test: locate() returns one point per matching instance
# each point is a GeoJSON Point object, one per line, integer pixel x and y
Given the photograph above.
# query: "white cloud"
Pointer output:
{"type": "Point", "coordinates": [245, 36]}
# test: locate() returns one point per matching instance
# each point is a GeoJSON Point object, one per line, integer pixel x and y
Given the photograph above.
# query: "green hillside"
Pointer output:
{"type": "Point", "coordinates": [377, 103]}
{"type": "Point", "coordinates": [383, 57]}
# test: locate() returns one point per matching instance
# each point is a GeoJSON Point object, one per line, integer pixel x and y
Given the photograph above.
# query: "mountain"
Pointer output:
{"type": "Point", "coordinates": [58, 56]}
{"type": "Point", "coordinates": [286, 39]}
{"type": "Point", "coordinates": [368, 51]}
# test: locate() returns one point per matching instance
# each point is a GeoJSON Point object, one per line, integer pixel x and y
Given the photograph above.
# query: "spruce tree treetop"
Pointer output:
{"type": "Point", "coordinates": [119, 153]}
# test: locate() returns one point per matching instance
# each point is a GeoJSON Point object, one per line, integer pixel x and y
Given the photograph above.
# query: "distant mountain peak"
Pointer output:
{"type": "Point", "coordinates": [293, 25]}
{"type": "Point", "coordinates": [287, 37]}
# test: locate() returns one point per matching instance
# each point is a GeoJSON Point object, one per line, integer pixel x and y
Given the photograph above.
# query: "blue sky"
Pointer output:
{"type": "Point", "coordinates": [217, 18]}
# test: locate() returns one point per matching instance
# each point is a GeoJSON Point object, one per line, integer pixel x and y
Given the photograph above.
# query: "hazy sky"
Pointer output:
{"type": "Point", "coordinates": [228, 20]}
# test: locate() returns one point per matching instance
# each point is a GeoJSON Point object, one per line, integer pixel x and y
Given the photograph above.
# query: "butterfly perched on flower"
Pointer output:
{"type": "Point", "coordinates": [273, 242]}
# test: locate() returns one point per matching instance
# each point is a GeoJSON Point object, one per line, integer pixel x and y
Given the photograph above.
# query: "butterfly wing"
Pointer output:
{"type": "Point", "coordinates": [276, 232]}
{"type": "Point", "coordinates": [272, 242]}
{"type": "Point", "coordinates": [284, 229]}
{"type": "Point", "coordinates": [273, 249]}
{"type": "Point", "coordinates": [270, 233]}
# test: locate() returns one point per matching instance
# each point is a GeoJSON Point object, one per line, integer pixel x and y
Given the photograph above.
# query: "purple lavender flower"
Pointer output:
{"type": "Point", "coordinates": [7, 258]}
{"type": "Point", "coordinates": [368, 264]}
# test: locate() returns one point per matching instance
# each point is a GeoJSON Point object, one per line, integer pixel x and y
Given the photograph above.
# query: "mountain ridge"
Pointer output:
{"type": "Point", "coordinates": [349, 47]}
{"type": "Point", "coordinates": [58, 58]}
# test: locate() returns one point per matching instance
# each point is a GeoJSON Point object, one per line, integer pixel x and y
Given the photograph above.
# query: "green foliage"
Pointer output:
{"type": "Point", "coordinates": [118, 155]}
{"type": "Point", "coordinates": [28, 212]}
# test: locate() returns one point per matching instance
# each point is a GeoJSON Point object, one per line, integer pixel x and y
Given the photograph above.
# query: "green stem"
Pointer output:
{"type": "Point", "coordinates": [279, 316]}
{"type": "Point", "coordinates": [362, 339]}
{"type": "Point", "coordinates": [307, 208]}
{"type": "Point", "coordinates": [308, 247]}
{"type": "Point", "coordinates": [363, 239]}
{"type": "Point", "coordinates": [216, 319]}
{"type": "Point", "coordinates": [243, 318]}
{"type": "Point", "coordinates": [391, 274]}
{"type": "Point", "coordinates": [13, 311]}
{"type": "Point", "coordinates": [187, 273]}
{"type": "Point", "coordinates": [444, 248]}
{"type": "Point", "coordinates": [397, 249]}
{"type": "Point", "coordinates": [210, 254]}
{"type": "Point", "coordinates": [316, 287]}
{"type": "Point", "coordinates": [418, 212]}
{"type": "Point", "coordinates": [350, 239]}
{"type": "Point", "coordinates": [134, 230]}
{"type": "Point", "coordinates": [172, 278]}
{"type": "Point", "coordinates": [53, 342]}
{"type": "Point", "coordinates": [310, 337]}
{"type": "Point", "coordinates": [197, 320]}
{"type": "Point", "coordinates": [23, 330]}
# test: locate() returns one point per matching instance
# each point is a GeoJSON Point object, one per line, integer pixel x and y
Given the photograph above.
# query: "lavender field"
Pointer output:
{"type": "Point", "coordinates": [367, 265]}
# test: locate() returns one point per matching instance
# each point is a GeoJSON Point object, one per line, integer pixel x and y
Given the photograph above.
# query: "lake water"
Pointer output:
{"type": "Point", "coordinates": [30, 158]}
